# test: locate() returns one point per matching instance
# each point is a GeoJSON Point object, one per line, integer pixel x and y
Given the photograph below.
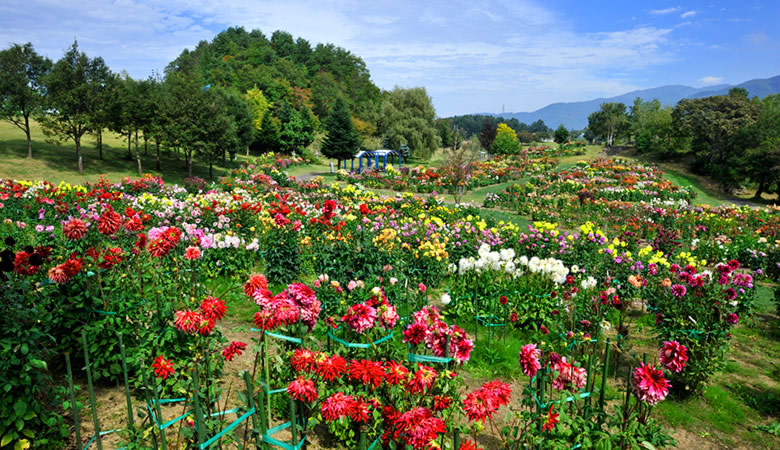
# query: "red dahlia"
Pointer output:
{"type": "Point", "coordinates": [367, 372]}
{"type": "Point", "coordinates": [74, 229]}
{"type": "Point", "coordinates": [303, 389]}
{"type": "Point", "coordinates": [109, 222]}
{"type": "Point", "coordinates": [162, 367]}
{"type": "Point", "coordinates": [234, 349]}
{"type": "Point", "coordinates": [213, 308]}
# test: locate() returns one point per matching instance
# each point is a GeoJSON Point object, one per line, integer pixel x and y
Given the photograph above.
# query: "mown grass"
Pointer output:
{"type": "Point", "coordinates": [55, 163]}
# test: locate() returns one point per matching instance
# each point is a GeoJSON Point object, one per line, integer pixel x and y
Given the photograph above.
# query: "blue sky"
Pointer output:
{"type": "Point", "coordinates": [471, 56]}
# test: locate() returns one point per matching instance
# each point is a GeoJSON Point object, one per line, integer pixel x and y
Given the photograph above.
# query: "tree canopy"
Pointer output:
{"type": "Point", "coordinates": [341, 142]}
{"type": "Point", "coordinates": [408, 116]}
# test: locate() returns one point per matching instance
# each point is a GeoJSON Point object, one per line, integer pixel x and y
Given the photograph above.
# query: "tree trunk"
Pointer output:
{"type": "Point", "coordinates": [138, 156]}
{"type": "Point", "coordinates": [760, 190]}
{"type": "Point", "coordinates": [146, 145]}
{"type": "Point", "coordinates": [100, 143]}
{"type": "Point", "coordinates": [78, 154]}
{"type": "Point", "coordinates": [211, 170]}
{"type": "Point", "coordinates": [247, 150]}
{"type": "Point", "coordinates": [157, 144]}
{"type": "Point", "coordinates": [189, 165]}
{"type": "Point", "coordinates": [29, 139]}
{"type": "Point", "coordinates": [224, 154]}
{"type": "Point", "coordinates": [129, 141]}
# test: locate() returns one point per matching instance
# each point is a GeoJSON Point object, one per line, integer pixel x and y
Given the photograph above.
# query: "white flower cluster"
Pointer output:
{"type": "Point", "coordinates": [588, 283]}
{"type": "Point", "coordinates": [500, 261]}
{"type": "Point", "coordinates": [551, 267]}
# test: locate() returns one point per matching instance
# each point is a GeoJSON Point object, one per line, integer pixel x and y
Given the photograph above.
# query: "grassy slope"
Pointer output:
{"type": "Point", "coordinates": [58, 162]}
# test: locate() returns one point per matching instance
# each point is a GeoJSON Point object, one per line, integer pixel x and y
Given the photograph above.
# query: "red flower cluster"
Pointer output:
{"type": "Point", "coordinates": [649, 384]}
{"type": "Point", "coordinates": [234, 349]}
{"type": "Point", "coordinates": [569, 377]}
{"type": "Point", "coordinates": [167, 241]}
{"type": "Point", "coordinates": [256, 283]}
{"type": "Point", "coordinates": [162, 367]}
{"type": "Point", "coordinates": [428, 327]}
{"type": "Point", "coordinates": [202, 322]}
{"type": "Point", "coordinates": [296, 303]}
{"type": "Point", "coordinates": [417, 427]}
{"type": "Point", "coordinates": [367, 372]}
{"type": "Point", "coordinates": [109, 222]}
{"type": "Point", "coordinates": [329, 368]}
{"type": "Point", "coordinates": [484, 402]}
{"type": "Point", "coordinates": [422, 380]}
{"type": "Point", "coordinates": [74, 229]}
{"type": "Point", "coordinates": [62, 273]}
{"type": "Point", "coordinates": [303, 389]}
{"type": "Point", "coordinates": [674, 356]}
{"type": "Point", "coordinates": [341, 405]}
{"type": "Point", "coordinates": [529, 360]}
{"type": "Point", "coordinates": [552, 419]}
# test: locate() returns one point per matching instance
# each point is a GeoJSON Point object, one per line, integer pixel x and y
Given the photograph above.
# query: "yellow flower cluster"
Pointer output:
{"type": "Point", "coordinates": [386, 238]}
{"type": "Point", "coordinates": [686, 258]}
{"type": "Point", "coordinates": [67, 187]}
{"type": "Point", "coordinates": [433, 249]}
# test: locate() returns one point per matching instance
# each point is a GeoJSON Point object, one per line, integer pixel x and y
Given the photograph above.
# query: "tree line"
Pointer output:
{"type": "Point", "coordinates": [241, 92]}
{"type": "Point", "coordinates": [731, 138]}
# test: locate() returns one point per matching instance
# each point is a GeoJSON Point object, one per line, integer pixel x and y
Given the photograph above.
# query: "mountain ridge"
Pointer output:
{"type": "Point", "coordinates": [574, 115]}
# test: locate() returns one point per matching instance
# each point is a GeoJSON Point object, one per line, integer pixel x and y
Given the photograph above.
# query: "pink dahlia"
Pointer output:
{"type": "Point", "coordinates": [529, 359]}
{"type": "Point", "coordinates": [649, 384]}
{"type": "Point", "coordinates": [360, 317]}
{"type": "Point", "coordinates": [674, 356]}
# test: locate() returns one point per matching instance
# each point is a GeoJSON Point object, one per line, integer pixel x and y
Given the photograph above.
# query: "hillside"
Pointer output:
{"type": "Point", "coordinates": [574, 115]}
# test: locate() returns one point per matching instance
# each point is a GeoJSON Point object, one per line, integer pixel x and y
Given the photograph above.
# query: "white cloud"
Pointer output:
{"type": "Point", "coordinates": [472, 55]}
{"type": "Point", "coordinates": [687, 14]}
{"type": "Point", "coordinates": [661, 12]}
{"type": "Point", "coordinates": [710, 80]}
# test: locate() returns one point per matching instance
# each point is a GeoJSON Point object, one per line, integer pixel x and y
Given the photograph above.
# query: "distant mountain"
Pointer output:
{"type": "Point", "coordinates": [574, 115]}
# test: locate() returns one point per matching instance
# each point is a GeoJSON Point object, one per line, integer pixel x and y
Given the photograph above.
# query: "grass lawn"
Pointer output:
{"type": "Point", "coordinates": [57, 163]}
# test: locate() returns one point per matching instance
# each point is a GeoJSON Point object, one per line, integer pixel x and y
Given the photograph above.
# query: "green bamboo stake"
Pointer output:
{"type": "Point", "coordinates": [127, 383]}
{"type": "Point", "coordinates": [198, 414]}
{"type": "Point", "coordinates": [293, 422]}
{"type": "Point", "coordinates": [604, 381]}
{"type": "Point", "coordinates": [362, 444]}
{"type": "Point", "coordinates": [261, 411]}
{"type": "Point", "coordinates": [157, 408]}
{"type": "Point", "coordinates": [447, 351]}
{"type": "Point", "coordinates": [148, 402]}
{"type": "Point", "coordinates": [73, 399]}
{"type": "Point", "coordinates": [266, 372]}
{"type": "Point", "coordinates": [628, 391]}
{"type": "Point", "coordinates": [91, 391]}
{"type": "Point", "coordinates": [590, 380]}
{"type": "Point", "coordinates": [456, 439]}
{"type": "Point", "coordinates": [250, 395]}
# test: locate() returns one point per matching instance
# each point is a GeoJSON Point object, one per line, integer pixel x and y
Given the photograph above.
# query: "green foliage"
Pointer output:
{"type": "Point", "coordinates": [283, 258]}
{"type": "Point", "coordinates": [267, 139]}
{"type": "Point", "coordinates": [408, 116]}
{"type": "Point", "coordinates": [712, 123]}
{"type": "Point", "coordinates": [258, 104]}
{"type": "Point", "coordinates": [297, 129]}
{"type": "Point", "coordinates": [561, 135]}
{"type": "Point", "coordinates": [610, 122]}
{"type": "Point", "coordinates": [651, 126]}
{"type": "Point", "coordinates": [73, 87]}
{"type": "Point", "coordinates": [21, 86]}
{"type": "Point", "coordinates": [487, 135]}
{"type": "Point", "coordinates": [506, 142]}
{"type": "Point", "coordinates": [341, 142]}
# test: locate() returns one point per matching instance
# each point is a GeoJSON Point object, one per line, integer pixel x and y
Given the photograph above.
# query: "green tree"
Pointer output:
{"type": "Point", "coordinates": [506, 142]}
{"type": "Point", "coordinates": [651, 126]}
{"type": "Point", "coordinates": [712, 124]}
{"type": "Point", "coordinates": [404, 151]}
{"type": "Point", "coordinates": [324, 92]}
{"type": "Point", "coordinates": [258, 104]}
{"type": "Point", "coordinates": [408, 116]}
{"type": "Point", "coordinates": [297, 129]}
{"type": "Point", "coordinates": [487, 134]}
{"type": "Point", "coordinates": [444, 128]}
{"type": "Point", "coordinates": [267, 139]}
{"type": "Point", "coordinates": [73, 88]}
{"type": "Point", "coordinates": [22, 92]}
{"type": "Point", "coordinates": [609, 122]}
{"type": "Point", "coordinates": [341, 142]}
{"type": "Point", "coordinates": [242, 119]}
{"type": "Point", "coordinates": [561, 135]}
{"type": "Point", "coordinates": [760, 143]}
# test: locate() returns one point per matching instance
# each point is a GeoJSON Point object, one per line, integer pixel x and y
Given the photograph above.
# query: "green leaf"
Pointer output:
{"type": "Point", "coordinates": [7, 439]}
{"type": "Point", "coordinates": [647, 445]}
{"type": "Point", "coordinates": [24, 349]}
{"type": "Point", "coordinates": [20, 407]}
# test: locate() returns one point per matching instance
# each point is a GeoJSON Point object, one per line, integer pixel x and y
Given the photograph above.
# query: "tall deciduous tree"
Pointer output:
{"type": "Point", "coordinates": [408, 116]}
{"type": "Point", "coordinates": [21, 86]}
{"type": "Point", "coordinates": [651, 126]}
{"type": "Point", "coordinates": [760, 143]}
{"type": "Point", "coordinates": [73, 88]}
{"type": "Point", "coordinates": [609, 122]}
{"type": "Point", "coordinates": [341, 142]}
{"type": "Point", "coordinates": [297, 129]}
